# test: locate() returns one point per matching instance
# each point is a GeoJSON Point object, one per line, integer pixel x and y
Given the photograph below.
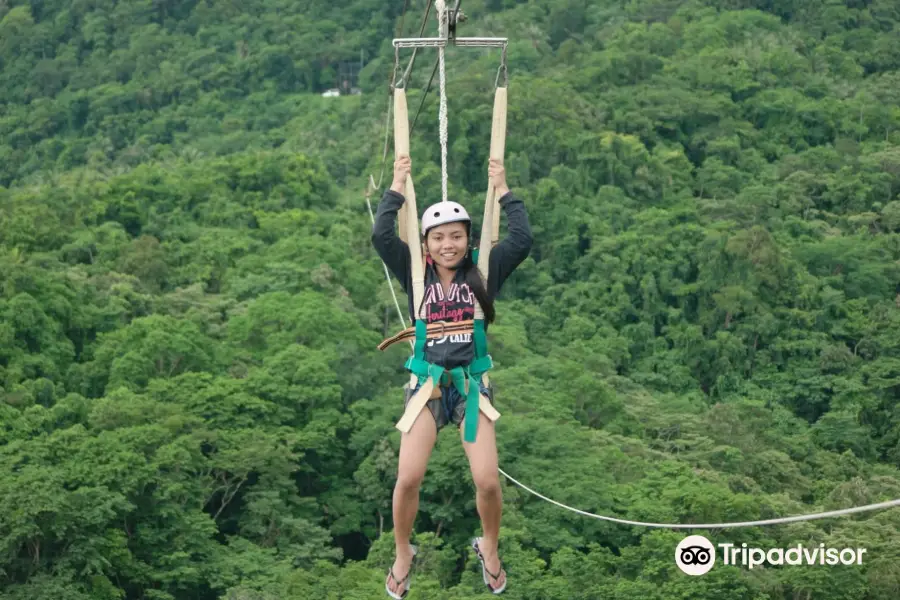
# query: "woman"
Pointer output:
{"type": "Point", "coordinates": [452, 284]}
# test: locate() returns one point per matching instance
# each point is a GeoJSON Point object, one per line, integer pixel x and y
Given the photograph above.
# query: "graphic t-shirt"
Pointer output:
{"type": "Point", "coordinates": [457, 304]}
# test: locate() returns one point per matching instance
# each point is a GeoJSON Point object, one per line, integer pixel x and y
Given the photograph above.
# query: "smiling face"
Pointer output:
{"type": "Point", "coordinates": [446, 244]}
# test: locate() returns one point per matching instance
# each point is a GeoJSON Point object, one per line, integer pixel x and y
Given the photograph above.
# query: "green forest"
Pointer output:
{"type": "Point", "coordinates": [707, 329]}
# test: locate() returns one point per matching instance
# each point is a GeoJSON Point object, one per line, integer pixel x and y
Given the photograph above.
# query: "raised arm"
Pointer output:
{"type": "Point", "coordinates": [392, 250]}
{"type": "Point", "coordinates": [515, 247]}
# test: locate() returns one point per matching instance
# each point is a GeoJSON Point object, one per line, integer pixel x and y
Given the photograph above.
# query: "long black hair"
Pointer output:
{"type": "Point", "coordinates": [473, 278]}
{"type": "Point", "coordinates": [476, 284]}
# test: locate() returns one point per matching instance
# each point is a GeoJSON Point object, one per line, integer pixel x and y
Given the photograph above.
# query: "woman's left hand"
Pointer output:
{"type": "Point", "coordinates": [497, 176]}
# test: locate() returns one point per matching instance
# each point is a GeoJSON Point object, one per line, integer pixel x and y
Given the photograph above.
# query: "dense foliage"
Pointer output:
{"type": "Point", "coordinates": [707, 330]}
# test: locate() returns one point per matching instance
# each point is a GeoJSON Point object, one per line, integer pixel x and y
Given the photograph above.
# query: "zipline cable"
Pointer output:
{"type": "Point", "coordinates": [809, 517]}
{"type": "Point", "coordinates": [425, 95]}
{"type": "Point", "coordinates": [412, 59]}
{"type": "Point", "coordinates": [404, 79]}
{"type": "Point", "coordinates": [386, 272]}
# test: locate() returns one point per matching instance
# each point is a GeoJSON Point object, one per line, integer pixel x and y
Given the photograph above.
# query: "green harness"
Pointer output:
{"type": "Point", "coordinates": [458, 376]}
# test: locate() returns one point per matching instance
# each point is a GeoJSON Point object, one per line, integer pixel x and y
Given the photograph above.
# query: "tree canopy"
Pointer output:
{"type": "Point", "coordinates": [192, 405]}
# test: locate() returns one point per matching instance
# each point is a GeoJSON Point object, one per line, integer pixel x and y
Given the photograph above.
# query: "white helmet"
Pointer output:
{"type": "Point", "coordinates": [442, 213]}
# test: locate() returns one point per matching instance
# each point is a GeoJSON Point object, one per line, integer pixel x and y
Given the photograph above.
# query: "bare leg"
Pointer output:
{"type": "Point", "coordinates": [483, 463]}
{"type": "Point", "coordinates": [415, 450]}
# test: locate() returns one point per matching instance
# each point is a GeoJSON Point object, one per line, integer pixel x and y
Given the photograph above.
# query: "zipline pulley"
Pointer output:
{"type": "Point", "coordinates": [449, 21]}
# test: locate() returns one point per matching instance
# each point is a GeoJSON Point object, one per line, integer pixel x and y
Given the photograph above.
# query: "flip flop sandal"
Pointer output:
{"type": "Point", "coordinates": [484, 570]}
{"type": "Point", "coordinates": [405, 581]}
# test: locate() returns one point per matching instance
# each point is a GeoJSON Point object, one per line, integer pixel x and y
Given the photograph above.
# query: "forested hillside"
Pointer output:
{"type": "Point", "coordinates": [707, 329]}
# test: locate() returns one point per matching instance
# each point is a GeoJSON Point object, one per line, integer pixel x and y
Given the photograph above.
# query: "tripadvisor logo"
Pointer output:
{"type": "Point", "coordinates": [696, 555]}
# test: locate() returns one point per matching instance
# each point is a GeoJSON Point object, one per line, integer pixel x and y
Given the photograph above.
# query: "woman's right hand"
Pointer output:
{"type": "Point", "coordinates": [401, 171]}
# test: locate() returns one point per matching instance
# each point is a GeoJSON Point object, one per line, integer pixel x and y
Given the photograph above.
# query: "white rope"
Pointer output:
{"type": "Point", "coordinates": [442, 114]}
{"type": "Point", "coordinates": [824, 515]}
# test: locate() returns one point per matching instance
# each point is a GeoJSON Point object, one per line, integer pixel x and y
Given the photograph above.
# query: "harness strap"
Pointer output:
{"type": "Point", "coordinates": [464, 379]}
{"type": "Point", "coordinates": [435, 330]}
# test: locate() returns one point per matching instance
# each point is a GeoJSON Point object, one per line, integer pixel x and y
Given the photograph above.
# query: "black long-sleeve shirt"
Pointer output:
{"type": "Point", "coordinates": [458, 305]}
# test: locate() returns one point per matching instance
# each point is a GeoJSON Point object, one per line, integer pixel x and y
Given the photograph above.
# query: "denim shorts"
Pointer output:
{"type": "Point", "coordinates": [451, 406]}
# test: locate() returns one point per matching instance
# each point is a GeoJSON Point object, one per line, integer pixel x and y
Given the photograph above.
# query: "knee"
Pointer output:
{"type": "Point", "coordinates": [487, 483]}
{"type": "Point", "coordinates": [409, 481]}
